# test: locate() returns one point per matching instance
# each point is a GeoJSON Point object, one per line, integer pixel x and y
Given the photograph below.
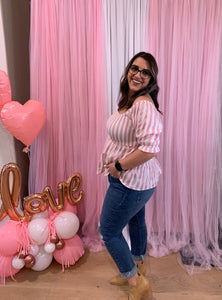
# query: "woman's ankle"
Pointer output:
{"type": "Point", "coordinates": [132, 280]}
{"type": "Point", "coordinates": [138, 262]}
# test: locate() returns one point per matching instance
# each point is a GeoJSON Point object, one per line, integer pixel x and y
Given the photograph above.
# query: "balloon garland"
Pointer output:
{"type": "Point", "coordinates": [44, 231]}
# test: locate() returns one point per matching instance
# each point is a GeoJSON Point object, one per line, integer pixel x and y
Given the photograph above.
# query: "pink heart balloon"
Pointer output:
{"type": "Point", "coordinates": [23, 121]}
{"type": "Point", "coordinates": [5, 89]}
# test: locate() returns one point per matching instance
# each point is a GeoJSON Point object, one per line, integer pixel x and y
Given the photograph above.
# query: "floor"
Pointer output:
{"type": "Point", "coordinates": [88, 280]}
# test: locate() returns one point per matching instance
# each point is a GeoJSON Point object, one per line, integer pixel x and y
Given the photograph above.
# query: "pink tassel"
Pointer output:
{"type": "Point", "coordinates": [71, 252]}
{"type": "Point", "coordinates": [23, 237]}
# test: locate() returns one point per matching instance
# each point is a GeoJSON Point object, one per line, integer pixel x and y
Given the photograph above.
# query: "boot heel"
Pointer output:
{"type": "Point", "coordinates": [148, 295]}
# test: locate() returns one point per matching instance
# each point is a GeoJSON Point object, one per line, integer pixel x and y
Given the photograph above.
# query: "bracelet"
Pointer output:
{"type": "Point", "coordinates": [118, 166]}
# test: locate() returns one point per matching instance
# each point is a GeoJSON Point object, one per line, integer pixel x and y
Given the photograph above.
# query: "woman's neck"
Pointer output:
{"type": "Point", "coordinates": [130, 94]}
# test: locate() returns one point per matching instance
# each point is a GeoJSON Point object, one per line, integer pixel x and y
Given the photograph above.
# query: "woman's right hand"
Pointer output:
{"type": "Point", "coordinates": [112, 170]}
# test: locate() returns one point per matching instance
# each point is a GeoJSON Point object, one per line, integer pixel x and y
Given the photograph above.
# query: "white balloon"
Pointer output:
{"type": "Point", "coordinates": [66, 224]}
{"type": "Point", "coordinates": [49, 248]}
{"type": "Point", "coordinates": [18, 263]}
{"type": "Point", "coordinates": [43, 215]}
{"type": "Point", "coordinates": [38, 230]}
{"type": "Point", "coordinates": [34, 249]}
{"type": "Point", "coordinates": [42, 260]}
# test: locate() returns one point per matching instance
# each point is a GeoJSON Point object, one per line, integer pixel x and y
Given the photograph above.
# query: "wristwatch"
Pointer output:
{"type": "Point", "coordinates": [118, 166]}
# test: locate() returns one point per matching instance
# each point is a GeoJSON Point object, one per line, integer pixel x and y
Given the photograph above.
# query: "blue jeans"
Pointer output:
{"type": "Point", "coordinates": [124, 206]}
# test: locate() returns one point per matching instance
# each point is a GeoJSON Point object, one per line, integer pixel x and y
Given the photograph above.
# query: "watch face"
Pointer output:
{"type": "Point", "coordinates": [118, 166]}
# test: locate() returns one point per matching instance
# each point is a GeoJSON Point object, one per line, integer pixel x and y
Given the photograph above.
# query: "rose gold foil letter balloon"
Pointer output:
{"type": "Point", "coordinates": [10, 198]}
{"type": "Point", "coordinates": [35, 203]}
{"type": "Point", "coordinates": [51, 199]}
{"type": "Point", "coordinates": [75, 180]}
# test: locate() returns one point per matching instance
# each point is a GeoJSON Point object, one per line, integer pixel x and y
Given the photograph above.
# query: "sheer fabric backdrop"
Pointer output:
{"type": "Point", "coordinates": [125, 24]}
{"type": "Point", "coordinates": [69, 76]}
{"type": "Point", "coordinates": [185, 37]}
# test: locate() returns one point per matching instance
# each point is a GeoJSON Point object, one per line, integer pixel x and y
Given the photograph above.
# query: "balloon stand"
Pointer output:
{"type": "Point", "coordinates": [47, 229]}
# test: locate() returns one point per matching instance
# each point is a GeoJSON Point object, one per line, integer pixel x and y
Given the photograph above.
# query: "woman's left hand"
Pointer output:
{"type": "Point", "coordinates": [113, 171]}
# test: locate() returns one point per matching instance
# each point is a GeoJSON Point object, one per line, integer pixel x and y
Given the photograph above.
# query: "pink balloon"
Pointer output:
{"type": "Point", "coordinates": [71, 252]}
{"type": "Point", "coordinates": [5, 89]}
{"type": "Point", "coordinates": [23, 121]}
{"type": "Point", "coordinates": [9, 238]}
{"type": "Point", "coordinates": [67, 207]}
{"type": "Point", "coordinates": [6, 268]}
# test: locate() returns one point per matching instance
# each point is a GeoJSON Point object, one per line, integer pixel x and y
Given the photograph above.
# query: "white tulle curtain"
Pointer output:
{"type": "Point", "coordinates": [125, 25]}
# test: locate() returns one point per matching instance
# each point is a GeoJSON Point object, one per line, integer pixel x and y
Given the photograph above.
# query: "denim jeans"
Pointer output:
{"type": "Point", "coordinates": [124, 206]}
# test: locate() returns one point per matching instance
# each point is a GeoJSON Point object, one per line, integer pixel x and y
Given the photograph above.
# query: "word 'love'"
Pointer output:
{"type": "Point", "coordinates": [34, 203]}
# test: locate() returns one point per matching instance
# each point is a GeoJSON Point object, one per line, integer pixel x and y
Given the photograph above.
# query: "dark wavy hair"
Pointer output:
{"type": "Point", "coordinates": [152, 88]}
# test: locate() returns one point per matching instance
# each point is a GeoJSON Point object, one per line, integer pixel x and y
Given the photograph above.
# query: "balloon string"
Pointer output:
{"type": "Point", "coordinates": [51, 225]}
{"type": "Point", "coordinates": [27, 150]}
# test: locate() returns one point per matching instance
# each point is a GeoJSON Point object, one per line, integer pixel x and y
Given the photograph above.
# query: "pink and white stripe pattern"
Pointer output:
{"type": "Point", "coordinates": [138, 128]}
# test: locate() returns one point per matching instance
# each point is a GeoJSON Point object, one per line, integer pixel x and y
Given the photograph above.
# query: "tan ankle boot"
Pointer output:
{"type": "Point", "coordinates": [141, 291]}
{"type": "Point", "coordinates": [119, 280]}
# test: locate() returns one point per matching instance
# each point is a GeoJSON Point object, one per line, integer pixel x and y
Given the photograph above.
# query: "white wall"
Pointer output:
{"type": "Point", "coordinates": [7, 149]}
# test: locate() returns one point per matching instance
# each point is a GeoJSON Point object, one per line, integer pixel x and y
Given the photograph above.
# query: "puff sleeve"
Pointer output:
{"type": "Point", "coordinates": [148, 126]}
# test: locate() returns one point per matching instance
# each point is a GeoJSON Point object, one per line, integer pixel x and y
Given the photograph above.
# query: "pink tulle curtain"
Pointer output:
{"type": "Point", "coordinates": [68, 77]}
{"type": "Point", "coordinates": [185, 214]}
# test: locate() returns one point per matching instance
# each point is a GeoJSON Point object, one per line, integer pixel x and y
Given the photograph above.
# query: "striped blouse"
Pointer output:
{"type": "Point", "coordinates": [138, 128]}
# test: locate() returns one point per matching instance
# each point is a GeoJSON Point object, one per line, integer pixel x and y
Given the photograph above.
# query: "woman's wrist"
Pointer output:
{"type": "Point", "coordinates": [118, 166]}
{"type": "Point", "coordinates": [135, 159]}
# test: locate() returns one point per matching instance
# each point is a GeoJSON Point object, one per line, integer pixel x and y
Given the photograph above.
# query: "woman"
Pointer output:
{"type": "Point", "coordinates": [133, 171]}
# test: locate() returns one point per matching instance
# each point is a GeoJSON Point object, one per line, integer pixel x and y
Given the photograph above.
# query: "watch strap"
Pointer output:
{"type": "Point", "coordinates": [118, 166]}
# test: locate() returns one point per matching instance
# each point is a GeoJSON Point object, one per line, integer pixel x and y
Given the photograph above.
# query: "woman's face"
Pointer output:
{"type": "Point", "coordinates": [138, 80]}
